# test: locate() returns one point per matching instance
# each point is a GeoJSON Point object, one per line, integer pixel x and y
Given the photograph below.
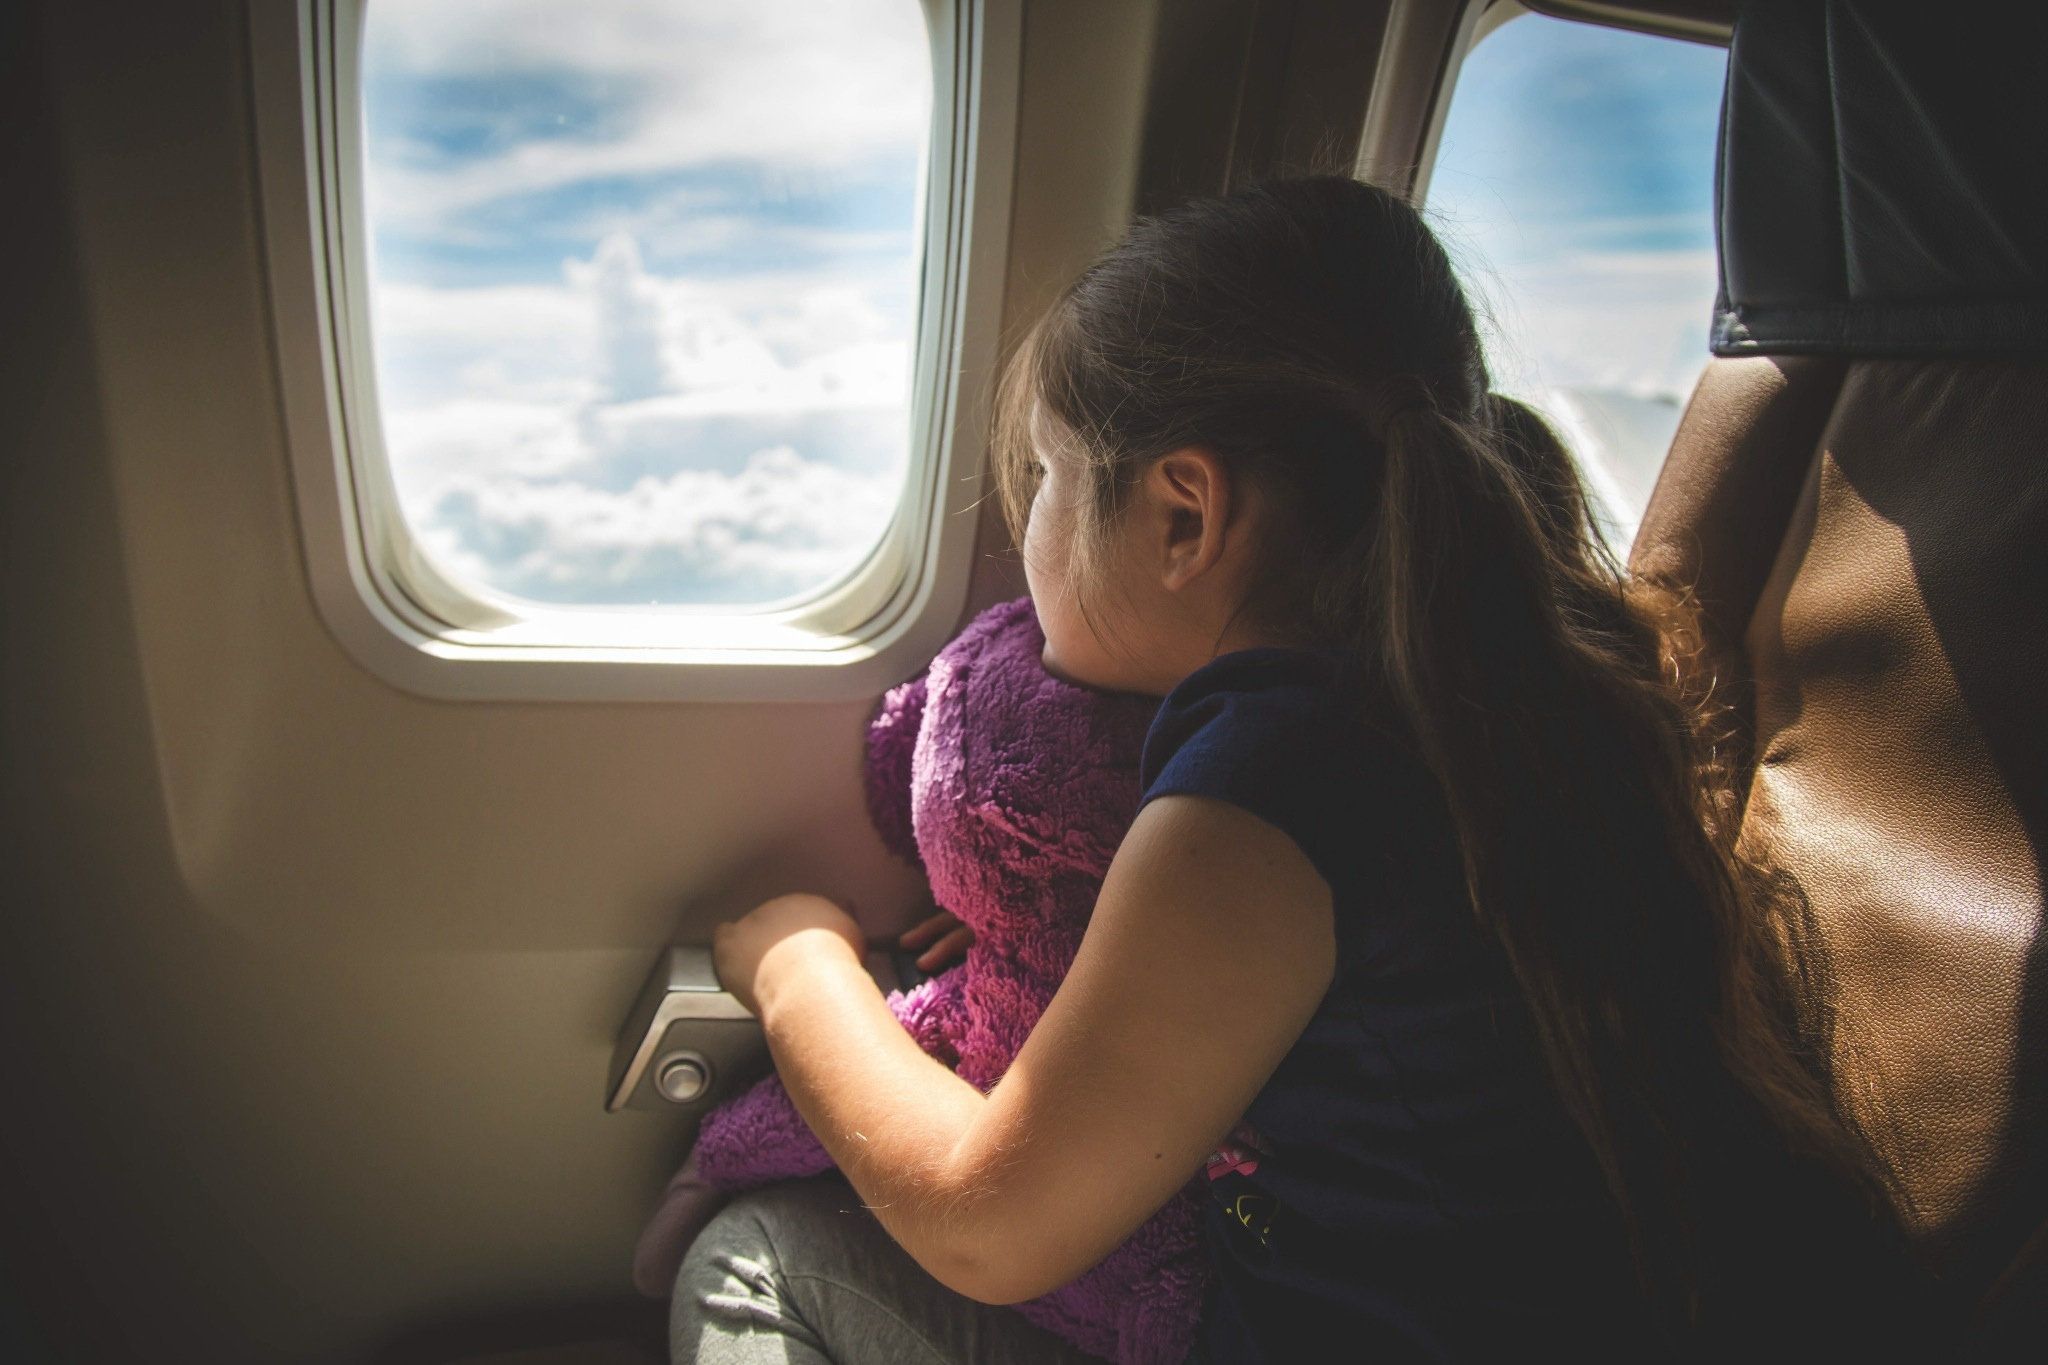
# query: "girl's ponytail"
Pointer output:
{"type": "Point", "coordinates": [1552, 706]}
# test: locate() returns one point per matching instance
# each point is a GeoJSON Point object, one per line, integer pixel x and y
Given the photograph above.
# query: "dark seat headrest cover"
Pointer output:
{"type": "Point", "coordinates": [1882, 187]}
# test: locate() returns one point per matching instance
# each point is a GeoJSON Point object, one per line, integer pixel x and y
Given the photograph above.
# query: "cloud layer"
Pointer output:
{"type": "Point", "coordinates": [644, 288]}
{"type": "Point", "coordinates": [623, 438]}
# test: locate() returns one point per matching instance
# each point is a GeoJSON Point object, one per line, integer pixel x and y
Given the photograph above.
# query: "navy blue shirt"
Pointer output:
{"type": "Point", "coordinates": [1407, 1185]}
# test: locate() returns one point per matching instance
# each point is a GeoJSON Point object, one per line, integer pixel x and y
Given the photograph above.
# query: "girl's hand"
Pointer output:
{"type": "Point", "coordinates": [746, 952]}
{"type": "Point", "coordinates": [947, 936]}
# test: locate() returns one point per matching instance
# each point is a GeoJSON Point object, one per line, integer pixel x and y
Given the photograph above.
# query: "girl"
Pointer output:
{"type": "Point", "coordinates": [1429, 887]}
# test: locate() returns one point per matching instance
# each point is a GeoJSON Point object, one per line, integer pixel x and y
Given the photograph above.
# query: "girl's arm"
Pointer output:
{"type": "Point", "coordinates": [1210, 947]}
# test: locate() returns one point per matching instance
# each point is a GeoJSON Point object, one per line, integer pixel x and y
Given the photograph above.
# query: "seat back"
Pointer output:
{"type": "Point", "coordinates": [1858, 500]}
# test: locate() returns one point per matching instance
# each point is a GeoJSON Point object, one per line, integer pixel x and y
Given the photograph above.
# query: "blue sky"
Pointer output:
{"type": "Point", "coordinates": [644, 280]}
{"type": "Point", "coordinates": [1602, 135]}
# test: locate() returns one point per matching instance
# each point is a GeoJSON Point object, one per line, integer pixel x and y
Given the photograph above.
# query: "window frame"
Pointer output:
{"type": "Point", "coordinates": [377, 591]}
{"type": "Point", "coordinates": [1479, 21]}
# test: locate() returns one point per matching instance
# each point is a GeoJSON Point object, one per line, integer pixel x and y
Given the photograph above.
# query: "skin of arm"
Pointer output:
{"type": "Point", "coordinates": [1210, 947]}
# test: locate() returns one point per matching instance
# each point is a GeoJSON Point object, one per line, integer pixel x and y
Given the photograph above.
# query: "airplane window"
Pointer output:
{"type": "Point", "coordinates": [1574, 182]}
{"type": "Point", "coordinates": [644, 281]}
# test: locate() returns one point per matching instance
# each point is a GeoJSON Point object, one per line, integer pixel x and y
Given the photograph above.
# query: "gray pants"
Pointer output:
{"type": "Point", "coordinates": [801, 1274]}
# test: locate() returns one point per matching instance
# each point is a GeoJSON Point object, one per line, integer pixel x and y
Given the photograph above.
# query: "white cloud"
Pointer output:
{"type": "Point", "coordinates": [516, 344]}
{"type": "Point", "coordinates": [518, 313]}
{"type": "Point", "coordinates": [463, 439]}
{"type": "Point", "coordinates": [759, 342]}
{"type": "Point", "coordinates": [630, 354]}
{"type": "Point", "coordinates": [795, 90]}
{"type": "Point", "coordinates": [780, 525]}
{"type": "Point", "coordinates": [1634, 322]}
{"type": "Point", "coordinates": [623, 436]}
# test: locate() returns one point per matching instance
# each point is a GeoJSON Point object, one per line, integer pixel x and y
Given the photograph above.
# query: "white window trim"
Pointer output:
{"type": "Point", "coordinates": [400, 619]}
{"type": "Point", "coordinates": [1402, 124]}
{"type": "Point", "coordinates": [1478, 23]}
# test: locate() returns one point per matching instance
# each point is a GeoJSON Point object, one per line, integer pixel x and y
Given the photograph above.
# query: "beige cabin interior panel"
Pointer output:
{"type": "Point", "coordinates": [313, 982]}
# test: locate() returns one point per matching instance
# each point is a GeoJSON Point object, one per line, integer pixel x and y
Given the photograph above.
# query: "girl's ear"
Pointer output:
{"type": "Point", "coordinates": [1193, 504]}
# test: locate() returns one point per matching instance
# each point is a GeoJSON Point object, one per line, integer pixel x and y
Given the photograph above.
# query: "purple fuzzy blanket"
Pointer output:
{"type": "Point", "coordinates": [1013, 788]}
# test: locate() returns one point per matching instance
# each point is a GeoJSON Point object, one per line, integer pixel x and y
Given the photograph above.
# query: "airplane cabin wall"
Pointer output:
{"type": "Point", "coordinates": [314, 982]}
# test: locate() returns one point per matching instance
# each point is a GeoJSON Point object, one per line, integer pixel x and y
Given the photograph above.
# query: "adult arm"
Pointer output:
{"type": "Point", "coordinates": [1210, 947]}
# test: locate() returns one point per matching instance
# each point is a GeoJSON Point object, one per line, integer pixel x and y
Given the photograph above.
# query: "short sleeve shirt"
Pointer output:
{"type": "Point", "coordinates": [1406, 1185]}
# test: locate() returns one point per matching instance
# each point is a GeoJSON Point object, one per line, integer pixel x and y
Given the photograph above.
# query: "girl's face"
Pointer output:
{"type": "Point", "coordinates": [1162, 595]}
{"type": "Point", "coordinates": [1127, 641]}
{"type": "Point", "coordinates": [1072, 650]}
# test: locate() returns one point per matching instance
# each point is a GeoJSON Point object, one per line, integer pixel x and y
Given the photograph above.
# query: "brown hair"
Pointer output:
{"type": "Point", "coordinates": [1313, 334]}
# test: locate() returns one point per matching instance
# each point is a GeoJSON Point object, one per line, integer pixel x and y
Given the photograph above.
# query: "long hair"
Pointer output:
{"type": "Point", "coordinates": [1313, 334]}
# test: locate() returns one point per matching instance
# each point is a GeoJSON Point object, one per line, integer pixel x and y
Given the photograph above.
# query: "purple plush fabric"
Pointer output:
{"type": "Point", "coordinates": [1013, 788]}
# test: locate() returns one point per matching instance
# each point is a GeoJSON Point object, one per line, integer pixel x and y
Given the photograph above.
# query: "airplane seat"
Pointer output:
{"type": "Point", "coordinates": [1857, 499]}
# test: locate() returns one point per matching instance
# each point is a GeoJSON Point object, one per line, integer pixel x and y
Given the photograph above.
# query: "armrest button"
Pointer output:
{"type": "Point", "coordinates": [682, 1077]}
